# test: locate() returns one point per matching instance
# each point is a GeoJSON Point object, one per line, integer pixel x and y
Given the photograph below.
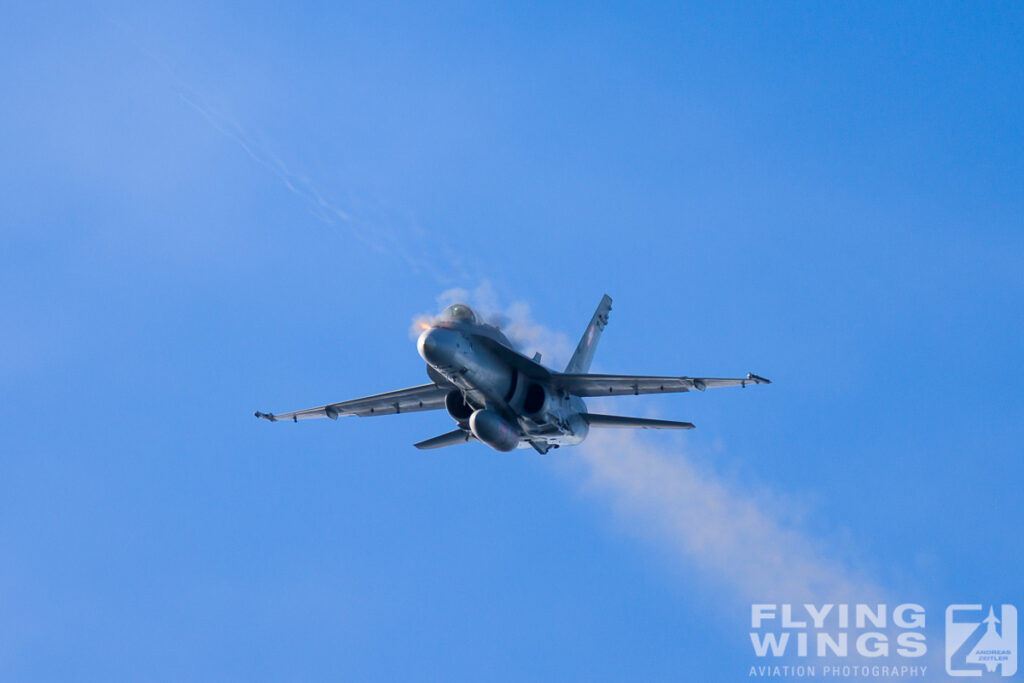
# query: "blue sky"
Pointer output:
{"type": "Point", "coordinates": [209, 210]}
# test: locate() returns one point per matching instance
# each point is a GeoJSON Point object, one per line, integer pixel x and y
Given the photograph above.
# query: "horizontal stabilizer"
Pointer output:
{"type": "Point", "coordinates": [595, 420]}
{"type": "Point", "coordinates": [450, 439]}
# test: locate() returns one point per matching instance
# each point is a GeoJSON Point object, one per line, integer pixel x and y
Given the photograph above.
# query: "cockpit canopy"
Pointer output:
{"type": "Point", "coordinates": [459, 313]}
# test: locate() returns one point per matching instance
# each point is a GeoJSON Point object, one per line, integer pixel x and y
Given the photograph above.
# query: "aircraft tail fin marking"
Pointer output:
{"type": "Point", "coordinates": [581, 359]}
{"type": "Point", "coordinates": [595, 420]}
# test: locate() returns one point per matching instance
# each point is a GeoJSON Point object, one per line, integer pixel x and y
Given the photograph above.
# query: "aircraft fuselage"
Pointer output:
{"type": "Point", "coordinates": [500, 405]}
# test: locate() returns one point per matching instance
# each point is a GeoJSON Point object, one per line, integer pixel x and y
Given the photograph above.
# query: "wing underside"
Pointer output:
{"type": "Point", "coordinates": [621, 385]}
{"type": "Point", "coordinates": [413, 399]}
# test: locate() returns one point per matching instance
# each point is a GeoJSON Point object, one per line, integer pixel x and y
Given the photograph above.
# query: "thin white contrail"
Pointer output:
{"type": "Point", "coordinates": [421, 251]}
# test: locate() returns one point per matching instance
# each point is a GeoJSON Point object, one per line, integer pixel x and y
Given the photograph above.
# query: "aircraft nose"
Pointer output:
{"type": "Point", "coordinates": [437, 346]}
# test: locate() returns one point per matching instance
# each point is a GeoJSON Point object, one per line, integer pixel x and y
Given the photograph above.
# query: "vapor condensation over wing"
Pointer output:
{"type": "Point", "coordinates": [515, 320]}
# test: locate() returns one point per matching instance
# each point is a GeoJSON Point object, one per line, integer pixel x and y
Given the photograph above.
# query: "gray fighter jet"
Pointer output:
{"type": "Point", "coordinates": [499, 397]}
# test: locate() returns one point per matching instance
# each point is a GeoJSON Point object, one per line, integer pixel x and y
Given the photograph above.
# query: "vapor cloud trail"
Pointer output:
{"type": "Point", "coordinates": [705, 522]}
{"type": "Point", "coordinates": [739, 540]}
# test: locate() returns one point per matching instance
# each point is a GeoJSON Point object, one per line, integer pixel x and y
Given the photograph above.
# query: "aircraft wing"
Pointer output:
{"type": "Point", "coordinates": [423, 397]}
{"type": "Point", "coordinates": [620, 385]}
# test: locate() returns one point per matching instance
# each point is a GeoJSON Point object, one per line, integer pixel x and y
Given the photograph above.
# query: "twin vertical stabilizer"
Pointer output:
{"type": "Point", "coordinates": [581, 359]}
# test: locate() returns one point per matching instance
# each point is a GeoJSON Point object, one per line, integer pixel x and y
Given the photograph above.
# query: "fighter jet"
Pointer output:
{"type": "Point", "coordinates": [503, 399]}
